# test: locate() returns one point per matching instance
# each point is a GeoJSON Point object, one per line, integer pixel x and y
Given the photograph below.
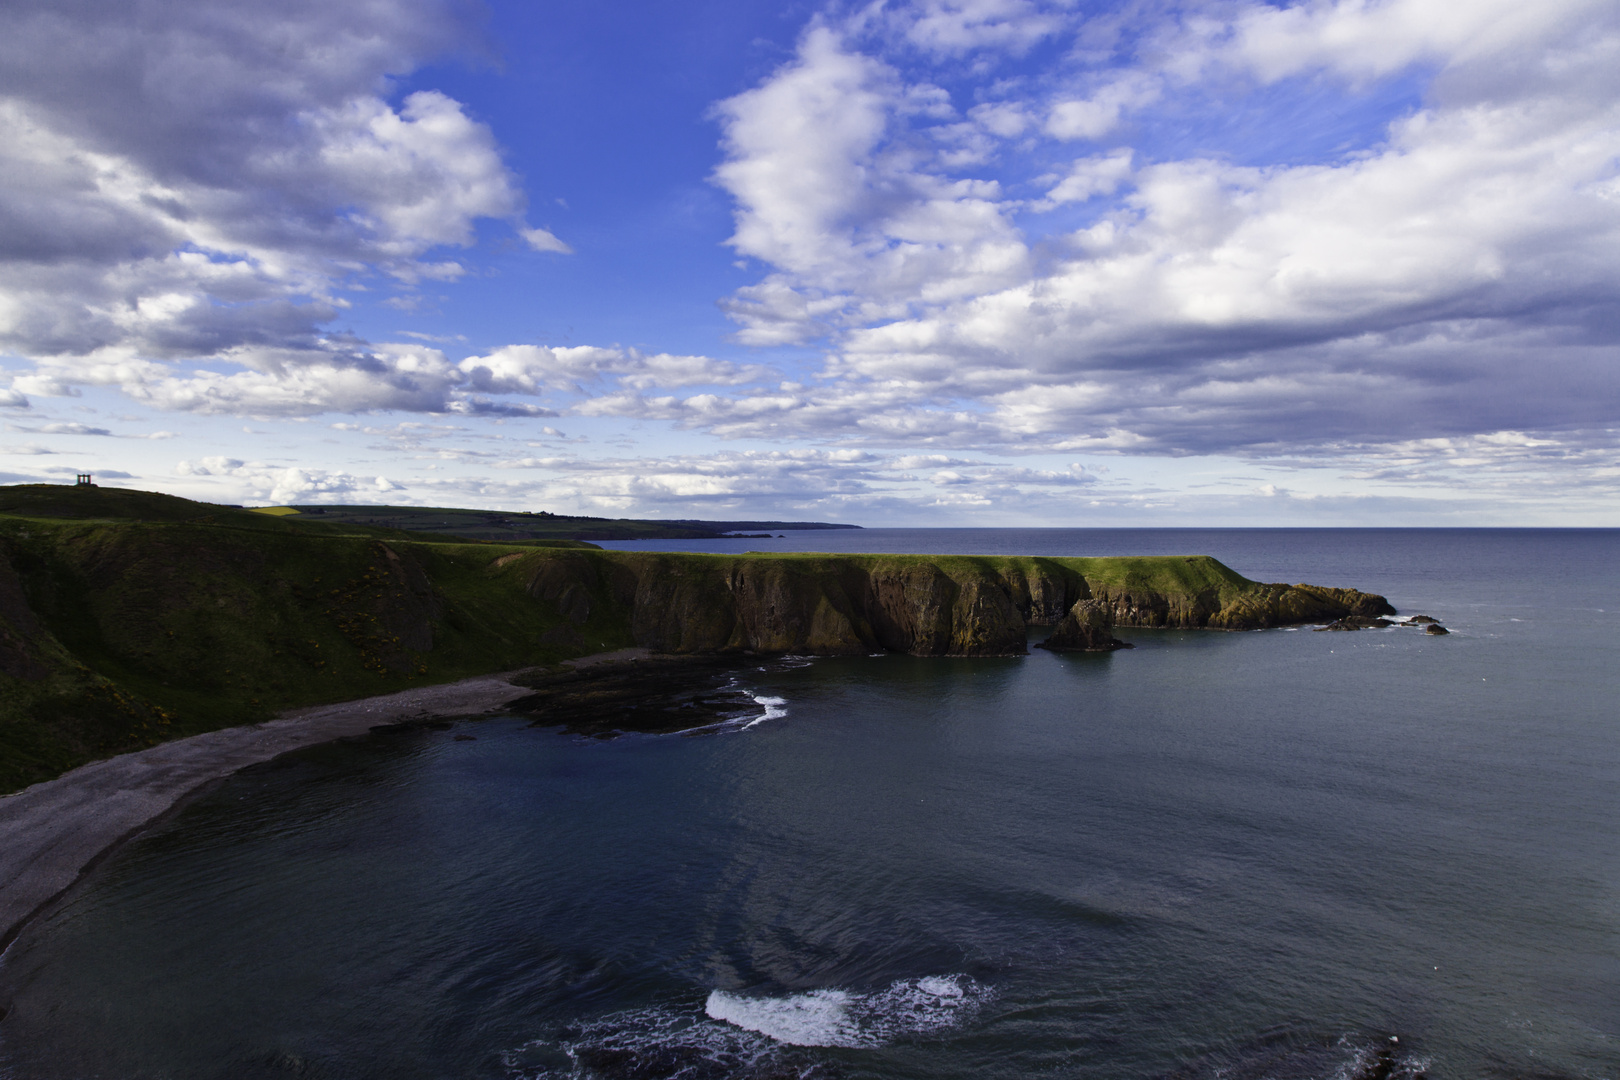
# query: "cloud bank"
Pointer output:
{"type": "Point", "coordinates": [210, 183]}
{"type": "Point", "coordinates": [1453, 274]}
{"type": "Point", "coordinates": [1380, 237]}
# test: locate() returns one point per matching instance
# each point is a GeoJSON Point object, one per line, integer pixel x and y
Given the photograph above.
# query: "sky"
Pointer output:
{"type": "Point", "coordinates": [937, 263]}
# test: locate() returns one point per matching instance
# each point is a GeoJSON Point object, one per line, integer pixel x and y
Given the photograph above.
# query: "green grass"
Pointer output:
{"type": "Point", "coordinates": [150, 630]}
{"type": "Point", "coordinates": [526, 525]}
{"type": "Point", "coordinates": [128, 618]}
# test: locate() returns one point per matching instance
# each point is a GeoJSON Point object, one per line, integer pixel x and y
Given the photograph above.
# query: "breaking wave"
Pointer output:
{"type": "Point", "coordinates": [773, 709]}
{"type": "Point", "coordinates": [746, 1037]}
{"type": "Point", "coordinates": [840, 1018]}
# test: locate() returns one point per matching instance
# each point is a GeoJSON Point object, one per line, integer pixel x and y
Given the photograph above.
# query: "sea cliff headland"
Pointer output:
{"type": "Point", "coordinates": [150, 646]}
{"type": "Point", "coordinates": [129, 618]}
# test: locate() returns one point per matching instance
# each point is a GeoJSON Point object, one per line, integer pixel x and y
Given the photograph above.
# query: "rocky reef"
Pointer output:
{"type": "Point", "coordinates": [166, 618]}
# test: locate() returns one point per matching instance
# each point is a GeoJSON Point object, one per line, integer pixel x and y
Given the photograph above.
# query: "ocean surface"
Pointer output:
{"type": "Point", "coordinates": [1279, 854]}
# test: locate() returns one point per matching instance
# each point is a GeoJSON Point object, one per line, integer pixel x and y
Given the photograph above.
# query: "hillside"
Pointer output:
{"type": "Point", "coordinates": [120, 632]}
{"type": "Point", "coordinates": [497, 525]}
{"type": "Point", "coordinates": [71, 502]}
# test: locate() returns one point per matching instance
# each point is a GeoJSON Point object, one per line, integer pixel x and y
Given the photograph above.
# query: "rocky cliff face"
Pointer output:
{"type": "Point", "coordinates": [821, 607]}
{"type": "Point", "coordinates": [847, 605]}
{"type": "Point", "coordinates": [119, 635]}
{"type": "Point", "coordinates": [1088, 627]}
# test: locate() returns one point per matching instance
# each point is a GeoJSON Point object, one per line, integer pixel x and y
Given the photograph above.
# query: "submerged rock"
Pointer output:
{"type": "Point", "coordinates": [1421, 620]}
{"type": "Point", "coordinates": [1435, 629]}
{"type": "Point", "coordinates": [1088, 627]}
{"type": "Point", "coordinates": [1355, 622]}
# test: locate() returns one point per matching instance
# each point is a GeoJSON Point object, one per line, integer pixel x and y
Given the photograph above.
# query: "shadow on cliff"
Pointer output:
{"type": "Point", "coordinates": [127, 621]}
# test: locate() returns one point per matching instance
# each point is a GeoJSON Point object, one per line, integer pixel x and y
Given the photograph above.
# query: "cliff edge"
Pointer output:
{"type": "Point", "coordinates": [120, 634]}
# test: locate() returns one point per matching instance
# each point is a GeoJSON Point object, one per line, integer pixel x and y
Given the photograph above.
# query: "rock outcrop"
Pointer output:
{"type": "Point", "coordinates": [1088, 627]}
{"type": "Point", "coordinates": [828, 605]}
{"type": "Point", "coordinates": [119, 634]}
{"type": "Point", "coordinates": [1356, 622]}
{"type": "Point", "coordinates": [820, 606]}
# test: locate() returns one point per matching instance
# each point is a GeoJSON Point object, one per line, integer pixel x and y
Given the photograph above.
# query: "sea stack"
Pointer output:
{"type": "Point", "coordinates": [1088, 627]}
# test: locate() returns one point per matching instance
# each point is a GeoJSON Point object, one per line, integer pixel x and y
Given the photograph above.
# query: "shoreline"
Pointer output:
{"type": "Point", "coordinates": [54, 832]}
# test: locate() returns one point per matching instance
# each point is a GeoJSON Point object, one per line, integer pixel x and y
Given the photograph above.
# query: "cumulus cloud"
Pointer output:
{"type": "Point", "coordinates": [531, 368]}
{"type": "Point", "coordinates": [856, 229]}
{"type": "Point", "coordinates": [545, 240]}
{"type": "Point", "coordinates": [340, 375]}
{"type": "Point", "coordinates": [1450, 275]}
{"type": "Point", "coordinates": [184, 182]}
{"type": "Point", "coordinates": [1005, 224]}
{"type": "Point", "coordinates": [271, 484]}
{"type": "Point", "coordinates": [1088, 178]}
{"type": "Point", "coordinates": [1096, 115]}
{"type": "Point", "coordinates": [778, 481]}
{"type": "Point", "coordinates": [823, 483]}
{"type": "Point", "coordinates": [950, 28]}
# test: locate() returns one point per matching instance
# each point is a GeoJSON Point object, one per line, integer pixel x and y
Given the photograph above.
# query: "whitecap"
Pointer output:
{"type": "Point", "coordinates": [818, 1018]}
{"type": "Point", "coordinates": [772, 705]}
{"type": "Point", "coordinates": [832, 1017]}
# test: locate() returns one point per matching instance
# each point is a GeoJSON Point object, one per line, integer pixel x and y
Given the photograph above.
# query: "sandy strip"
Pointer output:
{"type": "Point", "coordinates": [53, 832]}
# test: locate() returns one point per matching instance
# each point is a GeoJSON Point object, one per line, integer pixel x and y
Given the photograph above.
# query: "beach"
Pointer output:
{"type": "Point", "coordinates": [53, 832]}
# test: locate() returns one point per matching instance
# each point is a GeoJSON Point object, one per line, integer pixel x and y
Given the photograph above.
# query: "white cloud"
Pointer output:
{"type": "Point", "coordinates": [1095, 116]}
{"type": "Point", "coordinates": [1453, 277]}
{"type": "Point", "coordinates": [530, 368]}
{"type": "Point", "coordinates": [188, 196]}
{"type": "Point", "coordinates": [859, 227]}
{"type": "Point", "coordinates": [544, 240]}
{"type": "Point", "coordinates": [268, 484]}
{"type": "Point", "coordinates": [953, 27]}
{"type": "Point", "coordinates": [203, 183]}
{"type": "Point", "coordinates": [1090, 177]}
{"type": "Point", "coordinates": [341, 376]}
{"type": "Point", "coordinates": [1366, 40]}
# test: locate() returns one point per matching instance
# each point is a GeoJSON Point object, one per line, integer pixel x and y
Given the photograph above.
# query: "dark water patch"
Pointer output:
{"type": "Point", "coordinates": [662, 1043]}
{"type": "Point", "coordinates": [1291, 1055]}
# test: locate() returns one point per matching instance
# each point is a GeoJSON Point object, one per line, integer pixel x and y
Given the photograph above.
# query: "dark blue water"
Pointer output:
{"type": "Point", "coordinates": [1236, 855]}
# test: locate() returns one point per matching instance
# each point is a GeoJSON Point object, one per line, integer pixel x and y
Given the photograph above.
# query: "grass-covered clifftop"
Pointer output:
{"type": "Point", "coordinates": [128, 618]}
{"type": "Point", "coordinates": [496, 525]}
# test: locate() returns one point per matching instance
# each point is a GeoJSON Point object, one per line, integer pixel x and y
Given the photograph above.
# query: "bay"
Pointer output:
{"type": "Point", "coordinates": [1246, 855]}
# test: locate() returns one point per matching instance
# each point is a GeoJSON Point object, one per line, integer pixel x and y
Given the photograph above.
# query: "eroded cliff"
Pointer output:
{"type": "Point", "coordinates": [116, 635]}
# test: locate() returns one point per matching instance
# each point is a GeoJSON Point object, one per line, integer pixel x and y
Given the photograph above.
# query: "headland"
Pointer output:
{"type": "Point", "coordinates": [129, 618]}
{"type": "Point", "coordinates": [150, 645]}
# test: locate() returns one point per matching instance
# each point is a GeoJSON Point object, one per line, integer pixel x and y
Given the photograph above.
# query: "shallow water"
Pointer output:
{"type": "Point", "coordinates": [1241, 855]}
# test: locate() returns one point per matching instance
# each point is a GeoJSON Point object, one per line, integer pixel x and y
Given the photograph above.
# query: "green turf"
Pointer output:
{"type": "Point", "coordinates": [127, 618]}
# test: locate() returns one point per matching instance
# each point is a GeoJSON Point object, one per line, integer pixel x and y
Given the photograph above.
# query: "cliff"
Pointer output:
{"type": "Point", "coordinates": [117, 633]}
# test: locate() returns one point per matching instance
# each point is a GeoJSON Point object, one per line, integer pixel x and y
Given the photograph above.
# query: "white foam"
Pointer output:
{"type": "Point", "coordinates": [745, 1035]}
{"type": "Point", "coordinates": [773, 709]}
{"type": "Point", "coordinates": [833, 1017]}
{"type": "Point", "coordinates": [819, 1018]}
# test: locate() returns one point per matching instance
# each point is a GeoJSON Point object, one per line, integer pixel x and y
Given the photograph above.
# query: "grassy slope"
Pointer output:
{"type": "Point", "coordinates": [128, 618]}
{"type": "Point", "coordinates": [496, 525]}
{"type": "Point", "coordinates": [156, 630]}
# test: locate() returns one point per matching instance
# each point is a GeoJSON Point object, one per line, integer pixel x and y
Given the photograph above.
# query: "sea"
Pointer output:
{"type": "Point", "coordinates": [1279, 854]}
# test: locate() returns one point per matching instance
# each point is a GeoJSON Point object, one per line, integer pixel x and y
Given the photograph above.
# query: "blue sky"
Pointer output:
{"type": "Point", "coordinates": [942, 262]}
